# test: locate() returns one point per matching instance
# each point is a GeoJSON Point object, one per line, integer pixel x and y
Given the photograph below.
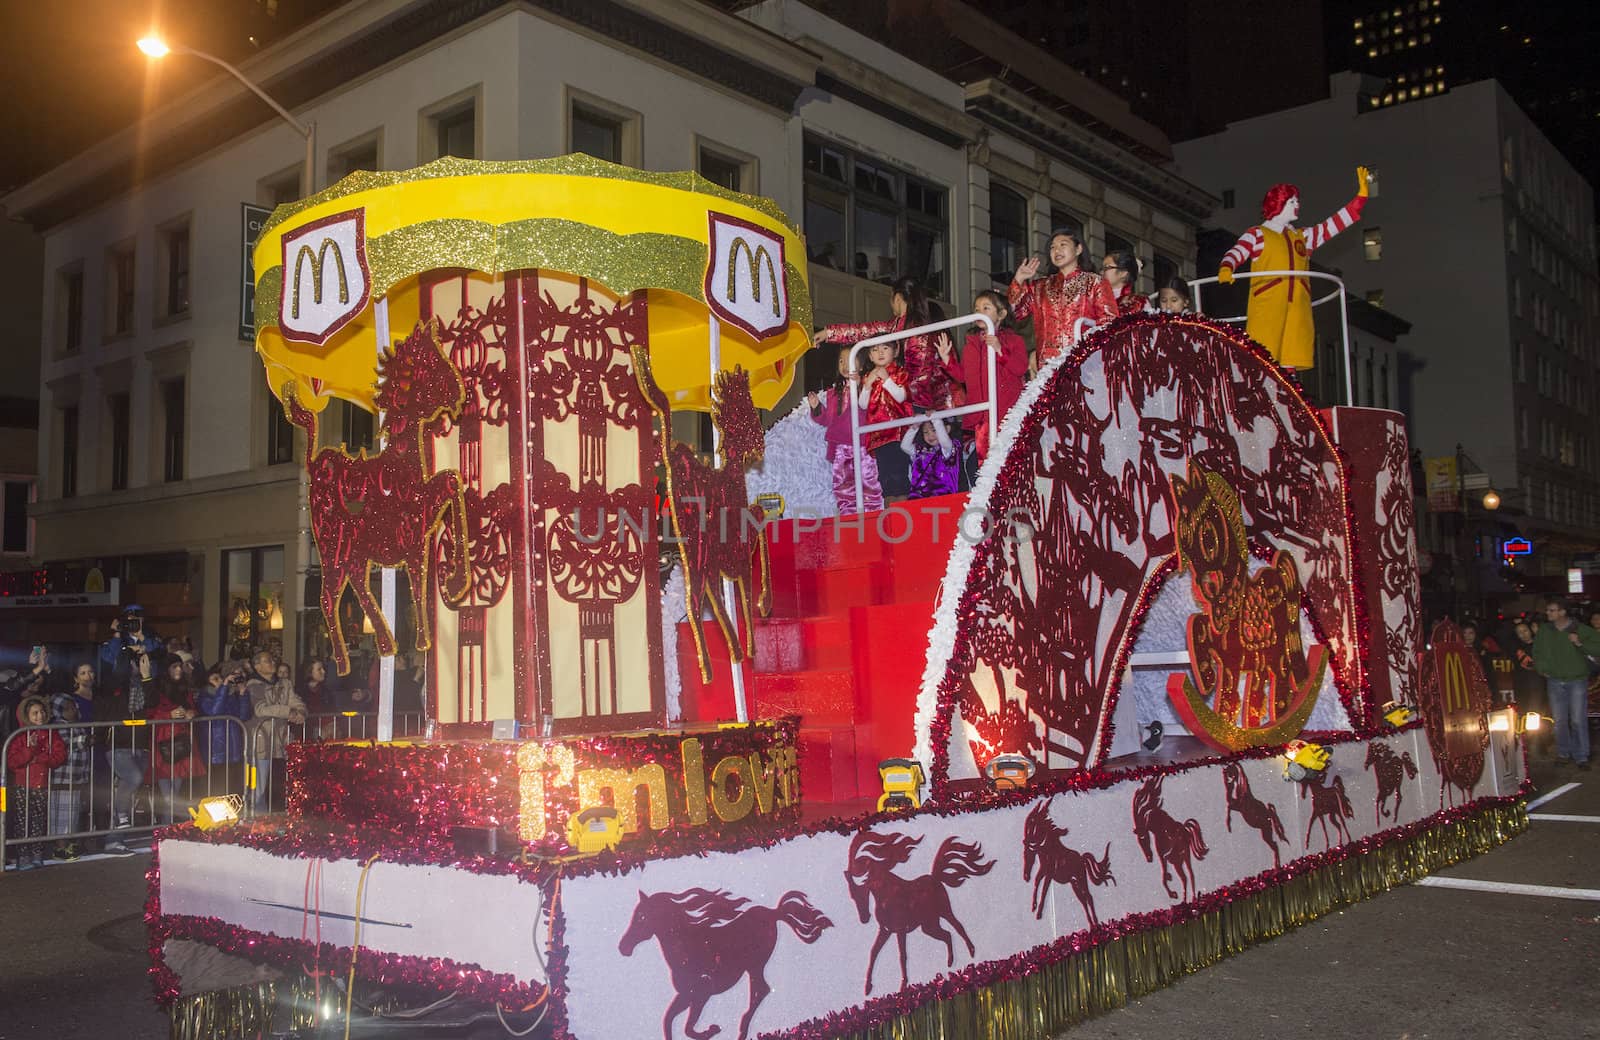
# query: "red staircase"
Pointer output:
{"type": "Point", "coordinates": [846, 643]}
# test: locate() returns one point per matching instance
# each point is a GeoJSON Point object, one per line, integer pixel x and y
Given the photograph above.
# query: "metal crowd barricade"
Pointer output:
{"type": "Point", "coordinates": [267, 791]}
{"type": "Point", "coordinates": [856, 429]}
{"type": "Point", "coordinates": [106, 790]}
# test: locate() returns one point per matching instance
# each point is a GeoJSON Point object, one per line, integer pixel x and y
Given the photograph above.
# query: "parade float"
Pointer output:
{"type": "Point", "coordinates": [978, 766]}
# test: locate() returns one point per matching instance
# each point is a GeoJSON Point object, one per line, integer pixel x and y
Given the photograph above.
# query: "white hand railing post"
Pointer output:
{"type": "Point", "coordinates": [1338, 293]}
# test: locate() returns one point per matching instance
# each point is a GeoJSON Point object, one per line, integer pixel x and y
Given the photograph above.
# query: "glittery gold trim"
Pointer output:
{"type": "Point", "coordinates": [1107, 977]}
{"type": "Point", "coordinates": [575, 164]}
{"type": "Point", "coordinates": [622, 263]}
{"type": "Point", "coordinates": [265, 1009]}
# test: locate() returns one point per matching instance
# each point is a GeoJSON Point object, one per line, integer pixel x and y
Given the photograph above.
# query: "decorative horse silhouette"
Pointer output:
{"type": "Point", "coordinates": [385, 510]}
{"type": "Point", "coordinates": [903, 905]}
{"type": "Point", "coordinates": [1258, 814]}
{"type": "Point", "coordinates": [711, 511]}
{"type": "Point", "coordinates": [1328, 802]}
{"type": "Point", "coordinates": [1178, 844]}
{"type": "Point", "coordinates": [1042, 842]}
{"type": "Point", "coordinates": [1388, 766]}
{"type": "Point", "coordinates": [712, 939]}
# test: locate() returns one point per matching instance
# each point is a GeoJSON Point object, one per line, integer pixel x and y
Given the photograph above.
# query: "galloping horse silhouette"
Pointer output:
{"type": "Point", "coordinates": [1388, 766]}
{"type": "Point", "coordinates": [1258, 814]}
{"type": "Point", "coordinates": [384, 509]}
{"type": "Point", "coordinates": [1328, 802]}
{"type": "Point", "coordinates": [903, 905]}
{"type": "Point", "coordinates": [1042, 842]}
{"type": "Point", "coordinates": [1178, 844]}
{"type": "Point", "coordinates": [711, 511]}
{"type": "Point", "coordinates": [712, 939]}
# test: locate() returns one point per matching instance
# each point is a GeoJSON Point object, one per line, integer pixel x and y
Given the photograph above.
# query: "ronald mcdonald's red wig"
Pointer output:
{"type": "Point", "coordinates": [1276, 198]}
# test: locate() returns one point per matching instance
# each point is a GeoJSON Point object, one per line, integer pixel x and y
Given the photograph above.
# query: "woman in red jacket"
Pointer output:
{"type": "Point", "coordinates": [30, 757]}
{"type": "Point", "coordinates": [176, 760]}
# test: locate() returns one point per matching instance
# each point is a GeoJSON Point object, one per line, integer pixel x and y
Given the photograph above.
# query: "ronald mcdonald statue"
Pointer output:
{"type": "Point", "coordinates": [1279, 315]}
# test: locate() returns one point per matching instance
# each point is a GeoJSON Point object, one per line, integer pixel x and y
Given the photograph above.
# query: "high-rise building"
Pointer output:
{"type": "Point", "coordinates": [1482, 235]}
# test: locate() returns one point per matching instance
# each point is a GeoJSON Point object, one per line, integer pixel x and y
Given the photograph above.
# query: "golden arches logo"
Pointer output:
{"type": "Point", "coordinates": [1457, 694]}
{"type": "Point", "coordinates": [757, 257]}
{"type": "Point", "coordinates": [317, 259]}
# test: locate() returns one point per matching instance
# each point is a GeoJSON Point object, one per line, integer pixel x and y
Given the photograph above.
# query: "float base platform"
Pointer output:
{"type": "Point", "coordinates": [1038, 906]}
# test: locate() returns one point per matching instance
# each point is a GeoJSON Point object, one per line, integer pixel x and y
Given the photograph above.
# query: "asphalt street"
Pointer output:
{"type": "Point", "coordinates": [1417, 963]}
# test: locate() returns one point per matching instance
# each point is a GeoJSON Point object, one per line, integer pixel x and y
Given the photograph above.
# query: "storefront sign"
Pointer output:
{"type": "Point", "coordinates": [1444, 484]}
{"type": "Point", "coordinates": [109, 598]}
{"type": "Point", "coordinates": [252, 219]}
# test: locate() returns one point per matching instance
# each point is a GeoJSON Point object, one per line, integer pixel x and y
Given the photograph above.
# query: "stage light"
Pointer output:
{"type": "Point", "coordinates": [1010, 772]}
{"type": "Point", "coordinates": [595, 829]}
{"type": "Point", "coordinates": [1397, 714]}
{"type": "Point", "coordinates": [1500, 721]}
{"type": "Point", "coordinates": [902, 784]}
{"type": "Point", "coordinates": [217, 811]}
{"type": "Point", "coordinates": [1304, 761]}
{"type": "Point", "coordinates": [1532, 722]}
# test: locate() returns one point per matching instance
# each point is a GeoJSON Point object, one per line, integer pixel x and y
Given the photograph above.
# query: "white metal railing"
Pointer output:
{"type": "Point", "coordinates": [1338, 293]}
{"type": "Point", "coordinates": [856, 429]}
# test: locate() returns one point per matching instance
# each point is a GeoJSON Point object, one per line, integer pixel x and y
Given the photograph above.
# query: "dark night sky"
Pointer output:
{"type": "Point", "coordinates": [73, 74]}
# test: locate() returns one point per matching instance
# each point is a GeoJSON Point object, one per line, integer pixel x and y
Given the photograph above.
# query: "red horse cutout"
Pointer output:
{"type": "Point", "coordinates": [1178, 844]}
{"type": "Point", "coordinates": [903, 905]}
{"type": "Point", "coordinates": [1328, 802]}
{"type": "Point", "coordinates": [712, 939]}
{"type": "Point", "coordinates": [1258, 814]}
{"type": "Point", "coordinates": [1388, 766]}
{"type": "Point", "coordinates": [1042, 842]}
{"type": "Point", "coordinates": [385, 510]}
{"type": "Point", "coordinates": [719, 532]}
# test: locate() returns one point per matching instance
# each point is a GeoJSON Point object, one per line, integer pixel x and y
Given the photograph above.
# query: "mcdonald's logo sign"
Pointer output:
{"type": "Point", "coordinates": [326, 281]}
{"type": "Point", "coordinates": [746, 276]}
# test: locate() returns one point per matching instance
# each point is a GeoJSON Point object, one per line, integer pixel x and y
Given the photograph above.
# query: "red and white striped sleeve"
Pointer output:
{"type": "Point", "coordinates": [1248, 247]}
{"type": "Point", "coordinates": [1317, 237]}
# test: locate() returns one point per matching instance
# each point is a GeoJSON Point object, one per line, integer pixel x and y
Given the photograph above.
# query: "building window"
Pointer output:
{"type": "Point", "coordinates": [1008, 232]}
{"type": "Point", "coordinates": [279, 189]}
{"type": "Point", "coordinates": [1115, 243]}
{"type": "Point", "coordinates": [596, 133]}
{"type": "Point", "coordinates": [119, 290]}
{"type": "Point", "coordinates": [356, 428]}
{"type": "Point", "coordinates": [451, 128]}
{"type": "Point", "coordinates": [173, 242]}
{"type": "Point", "coordinates": [1375, 297]}
{"type": "Point", "coordinates": [1060, 220]}
{"type": "Point", "coordinates": [873, 220]}
{"type": "Point", "coordinates": [69, 451]}
{"type": "Point", "coordinates": [16, 530]}
{"type": "Point", "coordinates": [173, 408]}
{"type": "Point", "coordinates": [1166, 270]}
{"type": "Point", "coordinates": [69, 309]}
{"type": "Point", "coordinates": [1372, 243]}
{"type": "Point", "coordinates": [252, 600]}
{"type": "Point", "coordinates": [730, 170]}
{"type": "Point", "coordinates": [363, 155]}
{"type": "Point", "coordinates": [280, 434]}
{"type": "Point", "coordinates": [117, 407]}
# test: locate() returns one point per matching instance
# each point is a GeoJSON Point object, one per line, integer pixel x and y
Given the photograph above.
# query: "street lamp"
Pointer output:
{"type": "Point", "coordinates": [1491, 500]}
{"type": "Point", "coordinates": [155, 47]}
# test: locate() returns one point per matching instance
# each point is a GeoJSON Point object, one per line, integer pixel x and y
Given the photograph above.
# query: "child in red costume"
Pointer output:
{"type": "Point", "coordinates": [1010, 368]}
{"type": "Point", "coordinates": [1121, 270]}
{"type": "Point", "coordinates": [30, 758]}
{"type": "Point", "coordinates": [928, 377]}
{"type": "Point", "coordinates": [884, 395]}
{"type": "Point", "coordinates": [1058, 302]}
{"type": "Point", "coordinates": [831, 409]}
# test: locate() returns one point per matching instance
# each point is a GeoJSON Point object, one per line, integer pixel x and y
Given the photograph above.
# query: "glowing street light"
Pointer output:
{"type": "Point", "coordinates": [1491, 500]}
{"type": "Point", "coordinates": [154, 46]}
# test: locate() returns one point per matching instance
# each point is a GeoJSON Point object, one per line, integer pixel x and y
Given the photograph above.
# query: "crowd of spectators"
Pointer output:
{"type": "Point", "coordinates": [198, 731]}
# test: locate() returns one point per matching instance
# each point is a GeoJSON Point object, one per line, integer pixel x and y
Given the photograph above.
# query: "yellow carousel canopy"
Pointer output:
{"type": "Point", "coordinates": [697, 249]}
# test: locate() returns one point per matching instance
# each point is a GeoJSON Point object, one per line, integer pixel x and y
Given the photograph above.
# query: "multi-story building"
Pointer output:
{"type": "Point", "coordinates": [159, 444]}
{"type": "Point", "coordinates": [1482, 236]}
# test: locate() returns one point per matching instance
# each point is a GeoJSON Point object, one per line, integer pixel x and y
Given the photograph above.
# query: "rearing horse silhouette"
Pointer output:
{"type": "Point", "coordinates": [1258, 814]}
{"type": "Point", "coordinates": [710, 940]}
{"type": "Point", "coordinates": [1176, 843]}
{"type": "Point", "coordinates": [1328, 802]}
{"type": "Point", "coordinates": [1042, 842]}
{"type": "Point", "coordinates": [1388, 766]}
{"type": "Point", "coordinates": [385, 509]}
{"type": "Point", "coordinates": [903, 905]}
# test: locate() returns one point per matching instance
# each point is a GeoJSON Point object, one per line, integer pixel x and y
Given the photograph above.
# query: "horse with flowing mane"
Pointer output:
{"type": "Point", "coordinates": [1388, 766]}
{"type": "Point", "coordinates": [384, 509]}
{"type": "Point", "coordinates": [1328, 802]}
{"type": "Point", "coordinates": [1258, 814]}
{"type": "Point", "coordinates": [720, 535]}
{"type": "Point", "coordinates": [903, 905]}
{"type": "Point", "coordinates": [710, 940]}
{"type": "Point", "coordinates": [1178, 844]}
{"type": "Point", "coordinates": [1042, 842]}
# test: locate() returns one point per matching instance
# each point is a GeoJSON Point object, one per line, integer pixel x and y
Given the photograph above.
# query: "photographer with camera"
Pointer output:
{"type": "Point", "coordinates": [119, 655]}
{"type": "Point", "coordinates": [224, 697]}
